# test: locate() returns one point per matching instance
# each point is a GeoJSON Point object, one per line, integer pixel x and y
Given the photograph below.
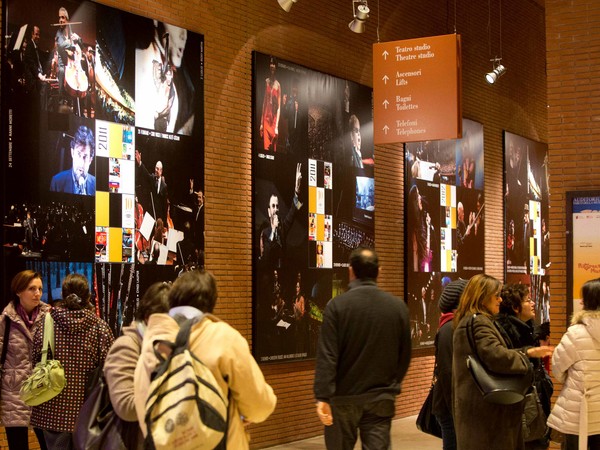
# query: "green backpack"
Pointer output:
{"type": "Point", "coordinates": [186, 408]}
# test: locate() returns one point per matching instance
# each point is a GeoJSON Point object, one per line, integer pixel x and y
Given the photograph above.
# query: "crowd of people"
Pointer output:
{"type": "Point", "coordinates": [363, 354]}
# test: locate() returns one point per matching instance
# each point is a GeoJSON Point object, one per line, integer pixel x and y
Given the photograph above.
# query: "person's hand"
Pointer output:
{"type": "Point", "coordinates": [540, 352]}
{"type": "Point", "coordinates": [298, 178]}
{"type": "Point", "coordinates": [191, 185]}
{"type": "Point", "coordinates": [324, 413]}
{"type": "Point", "coordinates": [274, 221]}
{"type": "Point", "coordinates": [74, 37]}
{"type": "Point", "coordinates": [261, 130]}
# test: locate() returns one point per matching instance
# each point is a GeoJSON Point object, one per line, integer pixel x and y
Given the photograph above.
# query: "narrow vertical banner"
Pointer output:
{"type": "Point", "coordinates": [417, 88]}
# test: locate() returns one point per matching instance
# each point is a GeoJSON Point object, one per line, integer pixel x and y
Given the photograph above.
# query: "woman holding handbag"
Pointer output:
{"type": "Point", "coordinates": [576, 364]}
{"type": "Point", "coordinates": [478, 307]}
{"type": "Point", "coordinates": [81, 342]}
{"type": "Point", "coordinates": [517, 312]}
{"type": "Point", "coordinates": [20, 319]}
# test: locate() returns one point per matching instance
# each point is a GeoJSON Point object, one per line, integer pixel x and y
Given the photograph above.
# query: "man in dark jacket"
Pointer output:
{"type": "Point", "coordinates": [362, 357]}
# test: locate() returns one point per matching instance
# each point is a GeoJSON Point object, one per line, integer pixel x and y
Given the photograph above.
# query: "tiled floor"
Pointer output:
{"type": "Point", "coordinates": [405, 436]}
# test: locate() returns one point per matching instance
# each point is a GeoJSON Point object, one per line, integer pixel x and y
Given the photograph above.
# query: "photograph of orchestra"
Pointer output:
{"type": "Point", "coordinates": [445, 210]}
{"type": "Point", "coordinates": [314, 199]}
{"type": "Point", "coordinates": [105, 126]}
{"type": "Point", "coordinates": [526, 203]}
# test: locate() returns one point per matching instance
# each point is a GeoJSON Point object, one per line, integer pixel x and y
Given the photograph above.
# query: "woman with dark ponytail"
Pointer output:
{"type": "Point", "coordinates": [81, 341]}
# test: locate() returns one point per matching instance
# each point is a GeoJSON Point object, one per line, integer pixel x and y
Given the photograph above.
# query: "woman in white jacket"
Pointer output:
{"type": "Point", "coordinates": [576, 363]}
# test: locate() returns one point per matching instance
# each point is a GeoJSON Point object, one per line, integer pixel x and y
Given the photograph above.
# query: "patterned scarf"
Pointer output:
{"type": "Point", "coordinates": [26, 319]}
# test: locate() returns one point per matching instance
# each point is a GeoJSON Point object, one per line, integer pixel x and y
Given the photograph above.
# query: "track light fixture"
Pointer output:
{"type": "Point", "coordinates": [286, 5]}
{"type": "Point", "coordinates": [360, 10]}
{"type": "Point", "coordinates": [497, 72]}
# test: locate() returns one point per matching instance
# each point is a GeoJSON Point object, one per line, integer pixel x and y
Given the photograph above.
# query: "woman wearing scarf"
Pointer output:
{"type": "Point", "coordinates": [23, 316]}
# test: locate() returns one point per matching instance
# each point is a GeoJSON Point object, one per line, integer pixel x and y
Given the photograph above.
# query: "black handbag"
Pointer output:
{"type": "Point", "coordinates": [534, 419]}
{"type": "Point", "coordinates": [503, 389]}
{"type": "Point", "coordinates": [426, 421]}
{"type": "Point", "coordinates": [98, 427]}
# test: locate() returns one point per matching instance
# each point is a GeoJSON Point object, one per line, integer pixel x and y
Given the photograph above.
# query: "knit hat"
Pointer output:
{"type": "Point", "coordinates": [451, 295]}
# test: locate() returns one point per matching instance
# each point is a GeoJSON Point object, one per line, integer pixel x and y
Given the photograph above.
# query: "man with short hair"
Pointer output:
{"type": "Point", "coordinates": [362, 357]}
{"type": "Point", "coordinates": [77, 179]}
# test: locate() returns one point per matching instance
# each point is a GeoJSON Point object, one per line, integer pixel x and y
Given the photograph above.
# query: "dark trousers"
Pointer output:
{"type": "Point", "coordinates": [374, 420]}
{"type": "Point", "coordinates": [448, 434]}
{"type": "Point", "coordinates": [571, 442]}
{"type": "Point", "coordinates": [18, 438]}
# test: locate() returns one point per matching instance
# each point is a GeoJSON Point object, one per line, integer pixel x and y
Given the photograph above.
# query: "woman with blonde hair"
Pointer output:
{"type": "Point", "coordinates": [480, 302]}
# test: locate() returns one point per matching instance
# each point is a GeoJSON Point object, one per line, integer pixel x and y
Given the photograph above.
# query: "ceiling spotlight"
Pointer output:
{"type": "Point", "coordinates": [286, 5]}
{"type": "Point", "coordinates": [498, 71]}
{"type": "Point", "coordinates": [361, 14]}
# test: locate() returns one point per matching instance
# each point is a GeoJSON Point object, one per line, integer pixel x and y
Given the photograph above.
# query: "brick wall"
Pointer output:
{"type": "Point", "coordinates": [315, 34]}
{"type": "Point", "coordinates": [573, 59]}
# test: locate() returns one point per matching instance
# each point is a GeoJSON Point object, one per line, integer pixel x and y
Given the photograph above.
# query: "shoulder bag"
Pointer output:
{"type": "Point", "coordinates": [99, 427]}
{"type": "Point", "coordinates": [426, 421]}
{"type": "Point", "coordinates": [534, 419]}
{"type": "Point", "coordinates": [503, 389]}
{"type": "Point", "coordinates": [48, 377]}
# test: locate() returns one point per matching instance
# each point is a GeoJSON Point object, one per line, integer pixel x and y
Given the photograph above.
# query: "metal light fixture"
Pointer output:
{"type": "Point", "coordinates": [361, 14]}
{"type": "Point", "coordinates": [286, 5]}
{"type": "Point", "coordinates": [497, 72]}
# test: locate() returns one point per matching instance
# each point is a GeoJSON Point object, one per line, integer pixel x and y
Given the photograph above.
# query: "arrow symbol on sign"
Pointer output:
{"type": "Point", "coordinates": [385, 55]}
{"type": "Point", "coordinates": [385, 104]}
{"type": "Point", "coordinates": [385, 79]}
{"type": "Point", "coordinates": [385, 129]}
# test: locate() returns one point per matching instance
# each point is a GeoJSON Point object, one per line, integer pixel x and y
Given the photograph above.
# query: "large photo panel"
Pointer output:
{"type": "Point", "coordinates": [526, 193]}
{"type": "Point", "coordinates": [314, 199]}
{"type": "Point", "coordinates": [103, 167]}
{"type": "Point", "coordinates": [445, 215]}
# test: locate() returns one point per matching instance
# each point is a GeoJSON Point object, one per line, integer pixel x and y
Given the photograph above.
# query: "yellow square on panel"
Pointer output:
{"type": "Point", "coordinates": [453, 217]}
{"type": "Point", "coordinates": [115, 141]}
{"type": "Point", "coordinates": [102, 209]}
{"type": "Point", "coordinates": [320, 227]}
{"type": "Point", "coordinates": [115, 244]}
{"type": "Point", "coordinates": [312, 199]}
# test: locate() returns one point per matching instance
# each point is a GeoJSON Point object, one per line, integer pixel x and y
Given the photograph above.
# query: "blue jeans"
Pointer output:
{"type": "Point", "coordinates": [374, 420]}
{"type": "Point", "coordinates": [448, 434]}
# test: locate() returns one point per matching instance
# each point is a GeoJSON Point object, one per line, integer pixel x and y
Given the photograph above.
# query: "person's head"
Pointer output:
{"type": "Point", "coordinates": [155, 300]}
{"type": "Point", "coordinates": [516, 301]}
{"type": "Point", "coordinates": [200, 198]}
{"type": "Point", "coordinates": [273, 65]}
{"type": "Point", "coordinates": [364, 264]}
{"type": "Point", "coordinates": [451, 294]}
{"type": "Point", "coordinates": [460, 212]}
{"type": "Point", "coordinates": [26, 288]}
{"type": "Point", "coordinates": [82, 151]}
{"type": "Point", "coordinates": [355, 131]}
{"type": "Point", "coordinates": [177, 38]}
{"type": "Point", "coordinates": [526, 213]}
{"type": "Point", "coordinates": [415, 202]}
{"type": "Point", "coordinates": [35, 34]}
{"type": "Point", "coordinates": [63, 15]}
{"type": "Point", "coordinates": [273, 208]}
{"type": "Point", "coordinates": [590, 294]}
{"type": "Point", "coordinates": [481, 296]}
{"type": "Point", "coordinates": [76, 292]}
{"type": "Point", "coordinates": [158, 169]}
{"type": "Point", "coordinates": [196, 288]}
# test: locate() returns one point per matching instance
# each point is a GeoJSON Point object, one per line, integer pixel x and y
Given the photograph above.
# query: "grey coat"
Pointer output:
{"type": "Point", "coordinates": [478, 423]}
{"type": "Point", "coordinates": [18, 366]}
